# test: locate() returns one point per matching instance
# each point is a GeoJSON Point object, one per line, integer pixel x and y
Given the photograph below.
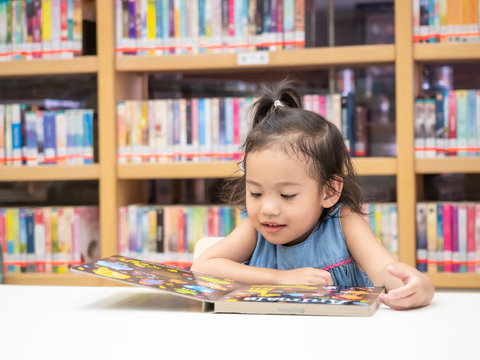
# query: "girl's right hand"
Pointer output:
{"type": "Point", "coordinates": [305, 276]}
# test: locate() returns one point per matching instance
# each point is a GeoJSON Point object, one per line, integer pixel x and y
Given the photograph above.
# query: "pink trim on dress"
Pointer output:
{"type": "Point", "coordinates": [340, 263]}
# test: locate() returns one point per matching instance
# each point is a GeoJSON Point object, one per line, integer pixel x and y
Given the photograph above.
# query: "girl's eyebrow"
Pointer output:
{"type": "Point", "coordinates": [283, 183]}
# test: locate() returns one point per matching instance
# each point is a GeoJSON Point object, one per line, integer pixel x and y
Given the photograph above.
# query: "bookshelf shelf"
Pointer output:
{"type": "Point", "coordinates": [285, 59]}
{"type": "Point", "coordinates": [364, 166]}
{"type": "Point", "coordinates": [177, 170]}
{"type": "Point", "coordinates": [450, 165]}
{"type": "Point", "coordinates": [446, 52]}
{"type": "Point", "coordinates": [375, 165]}
{"type": "Point", "coordinates": [120, 78]}
{"type": "Point", "coordinates": [78, 65]}
{"type": "Point", "coordinates": [53, 172]}
{"type": "Point", "coordinates": [68, 279]}
{"type": "Point", "coordinates": [455, 281]}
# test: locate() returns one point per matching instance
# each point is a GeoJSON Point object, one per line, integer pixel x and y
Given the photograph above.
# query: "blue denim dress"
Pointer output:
{"type": "Point", "coordinates": [325, 248]}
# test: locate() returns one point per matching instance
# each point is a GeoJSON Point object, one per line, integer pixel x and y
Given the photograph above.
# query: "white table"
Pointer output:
{"type": "Point", "coordinates": [48, 322]}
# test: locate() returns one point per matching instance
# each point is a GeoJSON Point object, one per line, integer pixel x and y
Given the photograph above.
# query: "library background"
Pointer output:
{"type": "Point", "coordinates": [119, 119]}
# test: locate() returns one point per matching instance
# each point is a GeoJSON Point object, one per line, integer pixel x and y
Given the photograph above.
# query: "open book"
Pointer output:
{"type": "Point", "coordinates": [229, 296]}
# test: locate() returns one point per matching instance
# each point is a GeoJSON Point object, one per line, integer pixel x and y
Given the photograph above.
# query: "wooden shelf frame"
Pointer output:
{"type": "Point", "coordinates": [79, 65]}
{"type": "Point", "coordinates": [448, 164]}
{"type": "Point", "coordinates": [449, 52]}
{"type": "Point", "coordinates": [286, 59]}
{"type": "Point", "coordinates": [50, 173]}
{"type": "Point", "coordinates": [124, 77]}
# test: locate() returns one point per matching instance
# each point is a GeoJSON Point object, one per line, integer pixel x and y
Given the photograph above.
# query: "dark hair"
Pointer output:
{"type": "Point", "coordinates": [278, 119]}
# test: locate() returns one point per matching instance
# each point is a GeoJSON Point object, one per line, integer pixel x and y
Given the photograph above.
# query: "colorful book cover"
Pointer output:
{"type": "Point", "coordinates": [224, 295]}
{"type": "Point", "coordinates": [452, 123]}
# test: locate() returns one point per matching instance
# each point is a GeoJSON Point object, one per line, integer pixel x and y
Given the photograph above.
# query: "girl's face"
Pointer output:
{"type": "Point", "coordinates": [283, 201]}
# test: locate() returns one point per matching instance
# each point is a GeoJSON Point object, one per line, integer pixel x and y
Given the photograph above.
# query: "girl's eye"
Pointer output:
{"type": "Point", "coordinates": [255, 195]}
{"type": "Point", "coordinates": [285, 196]}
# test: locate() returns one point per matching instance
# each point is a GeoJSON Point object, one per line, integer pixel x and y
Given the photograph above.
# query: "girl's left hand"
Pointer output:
{"type": "Point", "coordinates": [417, 290]}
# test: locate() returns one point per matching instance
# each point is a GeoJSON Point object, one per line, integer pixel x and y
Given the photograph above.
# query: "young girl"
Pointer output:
{"type": "Point", "coordinates": [304, 222]}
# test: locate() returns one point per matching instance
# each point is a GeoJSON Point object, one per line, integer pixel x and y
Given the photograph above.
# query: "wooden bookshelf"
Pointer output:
{"type": "Point", "coordinates": [285, 59]}
{"type": "Point", "coordinates": [446, 52]}
{"type": "Point", "coordinates": [50, 173]}
{"type": "Point", "coordinates": [178, 170]}
{"type": "Point", "coordinates": [78, 65]}
{"type": "Point", "coordinates": [448, 164]}
{"type": "Point", "coordinates": [124, 77]}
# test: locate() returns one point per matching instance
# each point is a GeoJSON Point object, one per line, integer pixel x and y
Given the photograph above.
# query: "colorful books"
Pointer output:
{"type": "Point", "coordinates": [42, 29]}
{"type": "Point", "coordinates": [448, 124]}
{"type": "Point", "coordinates": [228, 296]}
{"type": "Point", "coordinates": [448, 237]}
{"type": "Point", "coordinates": [36, 137]}
{"type": "Point", "coordinates": [48, 239]}
{"type": "Point", "coordinates": [164, 27]}
{"type": "Point", "coordinates": [440, 21]}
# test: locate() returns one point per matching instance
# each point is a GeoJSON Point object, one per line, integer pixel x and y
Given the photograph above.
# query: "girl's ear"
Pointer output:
{"type": "Point", "coordinates": [332, 192]}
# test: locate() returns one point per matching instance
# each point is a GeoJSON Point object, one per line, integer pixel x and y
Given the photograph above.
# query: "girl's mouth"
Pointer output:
{"type": "Point", "coordinates": [273, 228]}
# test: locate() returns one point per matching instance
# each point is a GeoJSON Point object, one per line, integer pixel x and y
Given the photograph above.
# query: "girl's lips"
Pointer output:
{"type": "Point", "coordinates": [273, 228]}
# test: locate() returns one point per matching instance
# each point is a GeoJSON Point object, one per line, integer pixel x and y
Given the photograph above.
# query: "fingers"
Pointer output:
{"type": "Point", "coordinates": [398, 273]}
{"type": "Point", "coordinates": [321, 277]}
{"type": "Point", "coordinates": [401, 303]}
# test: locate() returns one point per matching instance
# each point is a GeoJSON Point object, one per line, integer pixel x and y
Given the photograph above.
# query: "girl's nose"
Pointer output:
{"type": "Point", "coordinates": [270, 208]}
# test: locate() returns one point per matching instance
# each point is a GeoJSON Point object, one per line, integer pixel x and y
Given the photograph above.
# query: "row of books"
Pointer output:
{"type": "Point", "coordinates": [162, 27]}
{"type": "Point", "coordinates": [48, 239]}
{"type": "Point", "coordinates": [196, 129]}
{"type": "Point", "coordinates": [206, 129]}
{"type": "Point", "coordinates": [349, 117]}
{"type": "Point", "coordinates": [383, 220]}
{"type": "Point", "coordinates": [169, 233]}
{"type": "Point", "coordinates": [448, 237]}
{"type": "Point", "coordinates": [50, 29]}
{"type": "Point", "coordinates": [34, 137]}
{"type": "Point", "coordinates": [448, 124]}
{"type": "Point", "coordinates": [446, 21]}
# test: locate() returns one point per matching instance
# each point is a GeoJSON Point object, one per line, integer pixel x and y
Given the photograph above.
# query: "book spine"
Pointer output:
{"type": "Point", "coordinates": [2, 134]}
{"type": "Point", "coordinates": [462, 121]}
{"type": "Point", "coordinates": [440, 147]}
{"type": "Point", "coordinates": [88, 136]}
{"type": "Point", "coordinates": [471, 243]}
{"type": "Point", "coordinates": [472, 131]}
{"type": "Point", "coordinates": [49, 133]}
{"type": "Point", "coordinates": [440, 238]}
{"type": "Point", "coordinates": [462, 237]}
{"type": "Point", "coordinates": [430, 128]}
{"type": "Point", "coordinates": [16, 135]}
{"type": "Point", "coordinates": [447, 237]}
{"type": "Point", "coordinates": [61, 130]}
{"type": "Point", "coordinates": [452, 123]}
{"type": "Point", "coordinates": [421, 230]}
{"type": "Point", "coordinates": [455, 249]}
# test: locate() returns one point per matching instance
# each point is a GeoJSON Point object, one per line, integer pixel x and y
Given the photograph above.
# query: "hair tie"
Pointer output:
{"type": "Point", "coordinates": [277, 103]}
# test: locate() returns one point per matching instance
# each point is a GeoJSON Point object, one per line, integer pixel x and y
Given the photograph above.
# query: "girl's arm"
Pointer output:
{"type": "Point", "coordinates": [406, 286]}
{"type": "Point", "coordinates": [224, 259]}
